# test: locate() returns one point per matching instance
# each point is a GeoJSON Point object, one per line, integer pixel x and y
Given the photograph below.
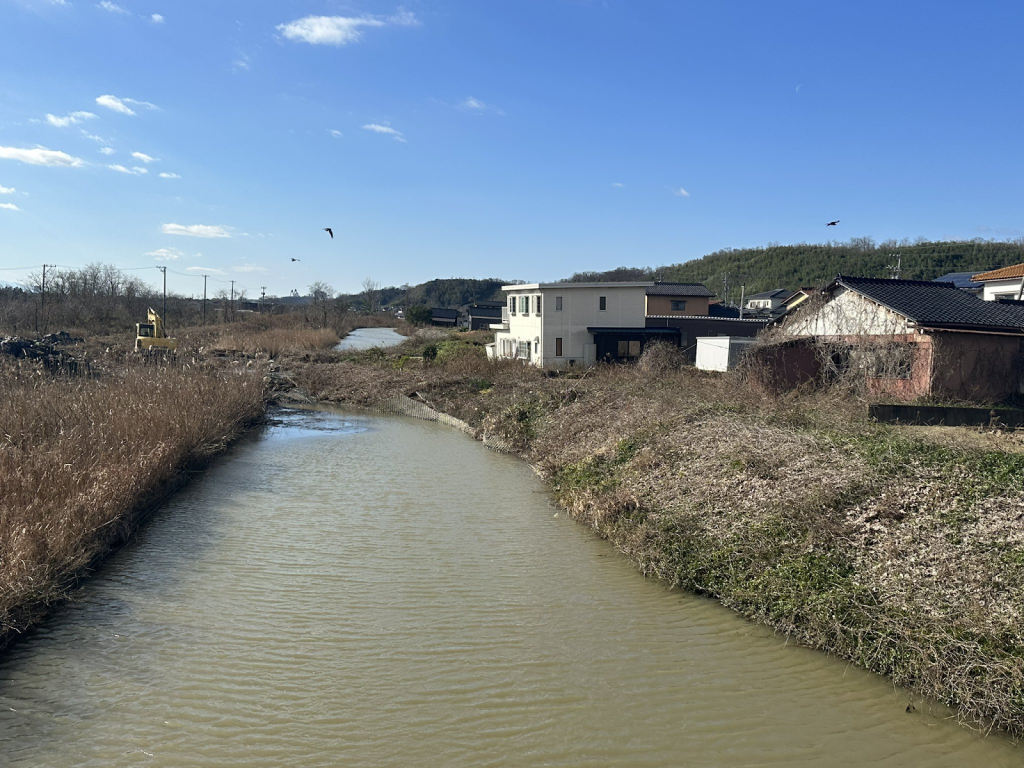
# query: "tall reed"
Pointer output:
{"type": "Point", "coordinates": [79, 456]}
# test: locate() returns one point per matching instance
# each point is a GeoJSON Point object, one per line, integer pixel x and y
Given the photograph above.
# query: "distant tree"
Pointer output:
{"type": "Point", "coordinates": [371, 295]}
{"type": "Point", "coordinates": [418, 315]}
{"type": "Point", "coordinates": [321, 293]}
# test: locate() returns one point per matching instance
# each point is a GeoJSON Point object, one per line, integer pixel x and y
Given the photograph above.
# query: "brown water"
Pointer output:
{"type": "Point", "coordinates": [353, 591]}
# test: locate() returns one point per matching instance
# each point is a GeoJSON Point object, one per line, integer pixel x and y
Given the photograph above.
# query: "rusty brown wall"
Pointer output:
{"type": "Point", "coordinates": [974, 366]}
{"type": "Point", "coordinates": [662, 305]}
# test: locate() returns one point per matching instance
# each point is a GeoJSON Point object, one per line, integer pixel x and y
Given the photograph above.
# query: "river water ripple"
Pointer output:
{"type": "Point", "coordinates": [348, 590]}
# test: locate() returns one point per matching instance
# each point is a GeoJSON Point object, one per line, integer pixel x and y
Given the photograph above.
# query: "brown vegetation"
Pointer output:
{"type": "Point", "coordinates": [904, 555]}
{"type": "Point", "coordinates": [81, 456]}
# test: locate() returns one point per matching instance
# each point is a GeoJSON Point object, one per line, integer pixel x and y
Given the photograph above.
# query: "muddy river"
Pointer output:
{"type": "Point", "coordinates": [352, 590]}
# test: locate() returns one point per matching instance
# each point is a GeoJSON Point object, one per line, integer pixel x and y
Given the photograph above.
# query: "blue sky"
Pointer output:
{"type": "Point", "coordinates": [478, 138]}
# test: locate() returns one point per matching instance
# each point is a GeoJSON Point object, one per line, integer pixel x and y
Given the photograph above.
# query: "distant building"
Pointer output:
{"type": "Point", "coordinates": [906, 338]}
{"type": "Point", "coordinates": [964, 281]}
{"type": "Point", "coordinates": [482, 314]}
{"type": "Point", "coordinates": [1004, 283]}
{"type": "Point", "coordinates": [767, 301]}
{"type": "Point", "coordinates": [558, 325]}
{"type": "Point", "coordinates": [444, 317]}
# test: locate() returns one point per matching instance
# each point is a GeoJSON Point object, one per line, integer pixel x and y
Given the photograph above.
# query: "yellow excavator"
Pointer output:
{"type": "Point", "coordinates": [151, 336]}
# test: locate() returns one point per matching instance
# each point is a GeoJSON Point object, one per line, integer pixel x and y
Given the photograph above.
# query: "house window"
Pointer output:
{"type": "Point", "coordinates": [629, 349]}
{"type": "Point", "coordinates": [558, 303]}
{"type": "Point", "coordinates": [602, 303]}
{"type": "Point", "coordinates": [512, 305]}
{"type": "Point", "coordinates": [558, 346]}
{"type": "Point", "coordinates": [678, 306]}
{"type": "Point", "coordinates": [524, 350]}
{"type": "Point", "coordinates": [524, 304]}
{"type": "Point", "coordinates": [538, 304]}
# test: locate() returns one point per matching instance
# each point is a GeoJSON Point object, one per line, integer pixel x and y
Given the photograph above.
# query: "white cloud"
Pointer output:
{"type": "Point", "coordinates": [241, 63]}
{"type": "Point", "coordinates": [9, 207]}
{"type": "Point", "coordinates": [385, 129]}
{"type": "Point", "coordinates": [106, 5]}
{"type": "Point", "coordinates": [335, 133]}
{"type": "Point", "coordinates": [680, 192]}
{"type": "Point", "coordinates": [156, 18]}
{"type": "Point", "coordinates": [211, 270]}
{"type": "Point", "coordinates": [618, 184]}
{"type": "Point", "coordinates": [93, 136]}
{"type": "Point", "coordinates": [195, 230]}
{"type": "Point", "coordinates": [121, 105]}
{"type": "Point", "coordinates": [471, 103]}
{"type": "Point", "coordinates": [41, 156]}
{"type": "Point", "coordinates": [165, 254]}
{"type": "Point", "coordinates": [339, 30]}
{"type": "Point", "coordinates": [166, 175]}
{"type": "Point", "coordinates": [134, 170]}
{"type": "Point", "coordinates": [107, 150]}
{"type": "Point", "coordinates": [250, 268]}
{"type": "Point", "coordinates": [7, 190]}
{"type": "Point", "coordinates": [143, 157]}
{"type": "Point", "coordinates": [72, 119]}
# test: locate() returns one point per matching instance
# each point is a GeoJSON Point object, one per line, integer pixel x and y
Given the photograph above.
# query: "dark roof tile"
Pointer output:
{"type": "Point", "coordinates": [937, 305]}
{"type": "Point", "coordinates": [678, 289]}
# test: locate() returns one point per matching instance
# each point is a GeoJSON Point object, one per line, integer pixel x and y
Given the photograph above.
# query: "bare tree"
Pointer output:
{"type": "Point", "coordinates": [321, 294]}
{"type": "Point", "coordinates": [371, 295]}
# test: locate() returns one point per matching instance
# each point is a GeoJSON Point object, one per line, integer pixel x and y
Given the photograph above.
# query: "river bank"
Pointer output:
{"type": "Point", "coordinates": [93, 436]}
{"type": "Point", "coordinates": [900, 551]}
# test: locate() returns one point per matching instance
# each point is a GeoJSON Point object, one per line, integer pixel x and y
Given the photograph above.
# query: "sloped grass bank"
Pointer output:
{"type": "Point", "coordinates": [81, 458]}
{"type": "Point", "coordinates": [899, 553]}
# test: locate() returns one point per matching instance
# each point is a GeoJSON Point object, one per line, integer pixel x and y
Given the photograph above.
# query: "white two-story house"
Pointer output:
{"type": "Point", "coordinates": [560, 325]}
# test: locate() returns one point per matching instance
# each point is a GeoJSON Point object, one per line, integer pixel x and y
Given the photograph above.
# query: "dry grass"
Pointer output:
{"type": "Point", "coordinates": [902, 554]}
{"type": "Point", "coordinates": [79, 457]}
{"type": "Point", "coordinates": [274, 342]}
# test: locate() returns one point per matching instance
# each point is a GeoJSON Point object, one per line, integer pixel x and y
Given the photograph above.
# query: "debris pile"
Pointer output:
{"type": "Point", "coordinates": [44, 350]}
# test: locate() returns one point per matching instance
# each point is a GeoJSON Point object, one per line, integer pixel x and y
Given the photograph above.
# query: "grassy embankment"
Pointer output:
{"type": "Point", "coordinates": [898, 549]}
{"type": "Point", "coordinates": [81, 457]}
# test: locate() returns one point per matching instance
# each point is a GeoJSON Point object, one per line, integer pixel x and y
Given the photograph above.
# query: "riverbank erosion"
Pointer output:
{"type": "Point", "coordinates": [83, 457]}
{"type": "Point", "coordinates": [901, 550]}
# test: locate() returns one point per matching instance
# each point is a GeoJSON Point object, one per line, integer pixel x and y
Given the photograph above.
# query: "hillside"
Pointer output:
{"type": "Point", "coordinates": [448, 292]}
{"type": "Point", "coordinates": [793, 266]}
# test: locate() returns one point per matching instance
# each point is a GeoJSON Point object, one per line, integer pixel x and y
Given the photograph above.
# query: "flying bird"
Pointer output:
{"type": "Point", "coordinates": [294, 259]}
{"type": "Point", "coordinates": [329, 231]}
{"type": "Point", "coordinates": [830, 224]}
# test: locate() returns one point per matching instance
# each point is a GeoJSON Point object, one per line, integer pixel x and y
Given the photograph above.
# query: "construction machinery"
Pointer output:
{"type": "Point", "coordinates": [151, 336]}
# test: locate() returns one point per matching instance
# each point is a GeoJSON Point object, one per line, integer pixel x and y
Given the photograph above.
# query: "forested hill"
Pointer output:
{"type": "Point", "coordinates": [794, 266]}
{"type": "Point", "coordinates": [449, 292]}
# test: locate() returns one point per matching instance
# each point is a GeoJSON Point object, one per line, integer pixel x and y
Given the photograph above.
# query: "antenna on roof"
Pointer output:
{"type": "Point", "coordinates": [895, 269]}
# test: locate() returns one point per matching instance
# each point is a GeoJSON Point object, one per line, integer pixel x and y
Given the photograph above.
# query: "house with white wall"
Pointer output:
{"type": "Point", "coordinates": [561, 325]}
{"type": "Point", "coordinates": [1004, 283]}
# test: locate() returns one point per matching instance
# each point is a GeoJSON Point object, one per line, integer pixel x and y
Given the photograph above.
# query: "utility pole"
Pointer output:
{"type": "Point", "coordinates": [743, 291]}
{"type": "Point", "coordinates": [42, 297]}
{"type": "Point", "coordinates": [232, 300]}
{"type": "Point", "coordinates": [895, 270]}
{"type": "Point", "coordinates": [163, 314]}
{"type": "Point", "coordinates": [263, 297]}
{"type": "Point", "coordinates": [204, 298]}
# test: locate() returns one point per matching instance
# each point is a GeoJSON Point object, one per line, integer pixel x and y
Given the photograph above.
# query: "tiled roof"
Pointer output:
{"type": "Point", "coordinates": [678, 289]}
{"type": "Point", "coordinates": [937, 305]}
{"type": "Point", "coordinates": [1006, 273]}
{"type": "Point", "coordinates": [962, 280]}
{"type": "Point", "coordinates": [439, 312]}
{"type": "Point", "coordinates": [778, 293]}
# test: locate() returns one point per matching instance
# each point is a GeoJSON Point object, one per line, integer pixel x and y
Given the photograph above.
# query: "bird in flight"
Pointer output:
{"type": "Point", "coordinates": [329, 231]}
{"type": "Point", "coordinates": [294, 259]}
{"type": "Point", "coordinates": [832, 223]}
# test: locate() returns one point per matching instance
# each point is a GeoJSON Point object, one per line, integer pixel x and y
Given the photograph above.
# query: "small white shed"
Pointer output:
{"type": "Point", "coordinates": [721, 353]}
